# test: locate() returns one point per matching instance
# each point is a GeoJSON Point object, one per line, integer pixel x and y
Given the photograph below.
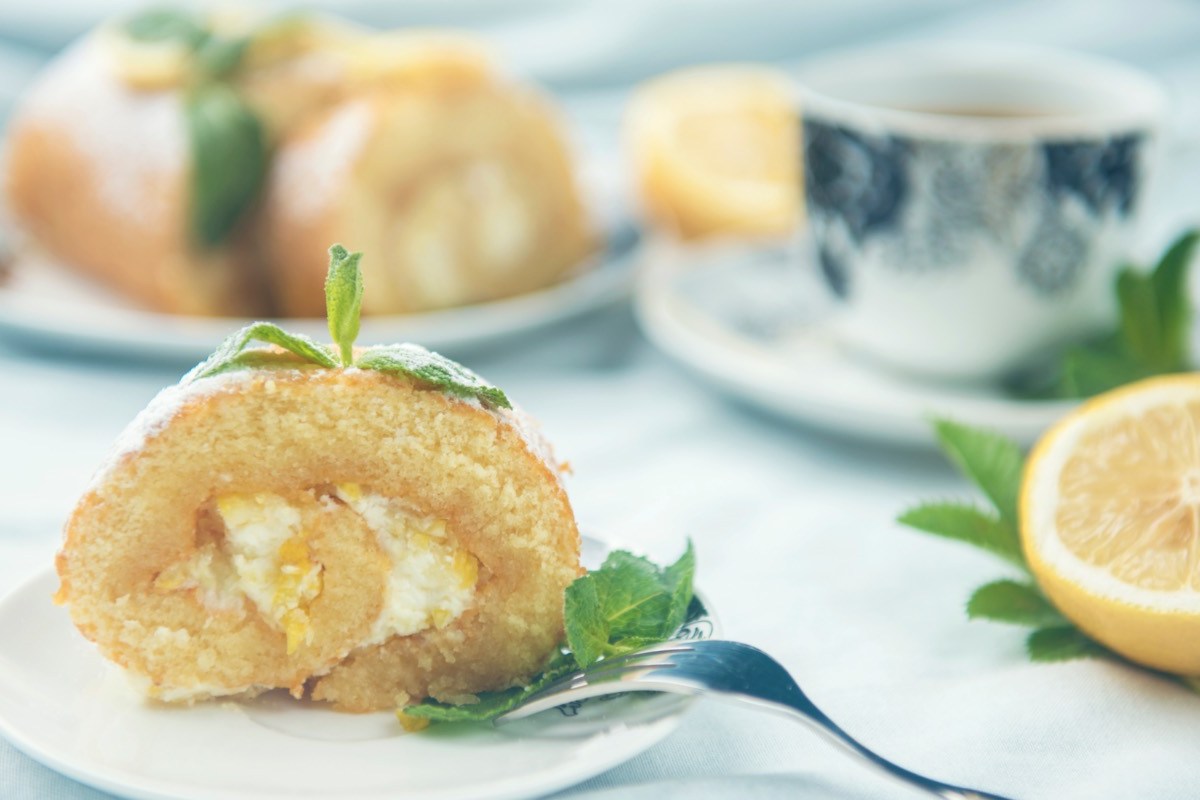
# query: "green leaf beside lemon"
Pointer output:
{"type": "Point", "coordinates": [1150, 338]}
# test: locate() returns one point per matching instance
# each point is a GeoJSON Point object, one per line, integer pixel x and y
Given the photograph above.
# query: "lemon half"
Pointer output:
{"type": "Point", "coordinates": [716, 151]}
{"type": "Point", "coordinates": [1110, 520]}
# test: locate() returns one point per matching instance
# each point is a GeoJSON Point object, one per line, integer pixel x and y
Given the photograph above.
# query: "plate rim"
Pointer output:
{"type": "Point", "coordinates": [603, 277]}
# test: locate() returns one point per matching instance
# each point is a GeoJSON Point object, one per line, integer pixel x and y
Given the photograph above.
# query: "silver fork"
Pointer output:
{"type": "Point", "coordinates": [726, 669]}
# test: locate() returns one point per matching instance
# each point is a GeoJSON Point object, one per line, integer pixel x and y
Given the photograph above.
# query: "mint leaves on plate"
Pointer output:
{"type": "Point", "coordinates": [625, 605]}
{"type": "Point", "coordinates": [995, 465]}
{"type": "Point", "coordinates": [343, 307]}
{"type": "Point", "coordinates": [1151, 337]}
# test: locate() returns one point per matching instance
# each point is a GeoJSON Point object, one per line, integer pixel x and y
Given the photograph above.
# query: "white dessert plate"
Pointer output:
{"type": "Point", "coordinates": [65, 706]}
{"type": "Point", "coordinates": [751, 321]}
{"type": "Point", "coordinates": [45, 304]}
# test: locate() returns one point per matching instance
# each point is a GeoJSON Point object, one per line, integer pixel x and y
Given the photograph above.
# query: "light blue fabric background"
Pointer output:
{"type": "Point", "coordinates": [794, 528]}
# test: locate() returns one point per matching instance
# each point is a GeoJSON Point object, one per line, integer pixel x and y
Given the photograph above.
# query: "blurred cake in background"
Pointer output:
{"type": "Point", "coordinates": [716, 152]}
{"type": "Point", "coordinates": [461, 180]}
{"type": "Point", "coordinates": [191, 163]}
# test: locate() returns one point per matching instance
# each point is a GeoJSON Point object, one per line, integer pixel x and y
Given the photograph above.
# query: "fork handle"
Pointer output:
{"type": "Point", "coordinates": [806, 711]}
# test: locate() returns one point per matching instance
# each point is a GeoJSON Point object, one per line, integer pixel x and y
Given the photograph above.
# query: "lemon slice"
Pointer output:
{"type": "Point", "coordinates": [716, 151]}
{"type": "Point", "coordinates": [1110, 520]}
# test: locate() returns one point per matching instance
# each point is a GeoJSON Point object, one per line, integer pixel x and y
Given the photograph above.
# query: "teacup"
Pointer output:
{"type": "Point", "coordinates": [969, 204]}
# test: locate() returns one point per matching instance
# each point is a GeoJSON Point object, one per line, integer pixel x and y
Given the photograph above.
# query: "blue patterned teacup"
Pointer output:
{"type": "Point", "coordinates": [969, 204]}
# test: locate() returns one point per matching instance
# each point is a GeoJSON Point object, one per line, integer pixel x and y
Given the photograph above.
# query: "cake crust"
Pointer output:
{"type": "Point", "coordinates": [294, 433]}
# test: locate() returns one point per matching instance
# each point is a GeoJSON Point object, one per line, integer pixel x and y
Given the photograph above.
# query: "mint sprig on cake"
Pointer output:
{"type": "Point", "coordinates": [343, 298]}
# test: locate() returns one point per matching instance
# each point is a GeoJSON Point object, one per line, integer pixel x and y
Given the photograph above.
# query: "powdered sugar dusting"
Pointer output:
{"type": "Point", "coordinates": [530, 431]}
{"type": "Point", "coordinates": [155, 417]}
{"type": "Point", "coordinates": [306, 175]}
{"type": "Point", "coordinates": [132, 138]}
{"type": "Point", "coordinates": [515, 418]}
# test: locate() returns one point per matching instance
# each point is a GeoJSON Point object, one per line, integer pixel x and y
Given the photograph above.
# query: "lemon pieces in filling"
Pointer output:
{"type": "Point", "coordinates": [266, 558]}
{"type": "Point", "coordinates": [274, 565]}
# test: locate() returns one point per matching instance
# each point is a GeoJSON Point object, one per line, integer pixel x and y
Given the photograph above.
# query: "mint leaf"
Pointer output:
{"type": "Point", "coordinates": [638, 597]}
{"type": "Point", "coordinates": [995, 465]}
{"type": "Point", "coordinates": [414, 361]}
{"type": "Point", "coordinates": [1140, 329]}
{"type": "Point", "coordinates": [1061, 643]}
{"type": "Point", "coordinates": [263, 358]}
{"type": "Point", "coordinates": [228, 144]}
{"type": "Point", "coordinates": [619, 602]}
{"type": "Point", "coordinates": [993, 462]}
{"type": "Point", "coordinates": [214, 57]}
{"type": "Point", "coordinates": [626, 604]}
{"type": "Point", "coordinates": [492, 704]}
{"type": "Point", "coordinates": [1171, 297]}
{"type": "Point", "coordinates": [489, 706]}
{"type": "Point", "coordinates": [678, 579]}
{"type": "Point", "coordinates": [165, 24]}
{"type": "Point", "coordinates": [1091, 371]}
{"type": "Point", "coordinates": [1151, 338]}
{"type": "Point", "coordinates": [965, 523]}
{"type": "Point", "coordinates": [1013, 602]}
{"type": "Point", "coordinates": [229, 160]}
{"type": "Point", "coordinates": [233, 353]}
{"type": "Point", "coordinates": [343, 300]}
{"type": "Point", "coordinates": [586, 628]}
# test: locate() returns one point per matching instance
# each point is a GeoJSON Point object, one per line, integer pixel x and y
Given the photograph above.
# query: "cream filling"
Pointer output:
{"type": "Point", "coordinates": [273, 563]}
{"type": "Point", "coordinates": [265, 558]}
{"type": "Point", "coordinates": [431, 582]}
{"type": "Point", "coordinates": [189, 694]}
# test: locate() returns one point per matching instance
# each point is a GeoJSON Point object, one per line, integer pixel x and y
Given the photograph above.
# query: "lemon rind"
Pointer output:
{"type": "Point", "coordinates": [1039, 497]}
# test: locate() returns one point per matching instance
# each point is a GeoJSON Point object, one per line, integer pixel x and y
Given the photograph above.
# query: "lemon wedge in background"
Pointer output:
{"type": "Point", "coordinates": [1110, 520]}
{"type": "Point", "coordinates": [716, 150]}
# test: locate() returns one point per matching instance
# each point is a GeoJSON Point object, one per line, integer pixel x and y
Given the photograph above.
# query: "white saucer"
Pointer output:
{"type": "Point", "coordinates": [750, 321]}
{"type": "Point", "coordinates": [43, 303]}
{"type": "Point", "coordinates": [64, 705]}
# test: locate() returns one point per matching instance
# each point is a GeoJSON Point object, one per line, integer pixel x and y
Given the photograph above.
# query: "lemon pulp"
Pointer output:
{"type": "Point", "coordinates": [716, 151]}
{"type": "Point", "coordinates": [1110, 520]}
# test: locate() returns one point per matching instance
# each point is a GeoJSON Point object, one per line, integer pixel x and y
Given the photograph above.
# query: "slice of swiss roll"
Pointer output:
{"type": "Point", "coordinates": [365, 526]}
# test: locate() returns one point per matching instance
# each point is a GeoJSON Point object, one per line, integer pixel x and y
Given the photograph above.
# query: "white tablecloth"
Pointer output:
{"type": "Point", "coordinates": [794, 529]}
